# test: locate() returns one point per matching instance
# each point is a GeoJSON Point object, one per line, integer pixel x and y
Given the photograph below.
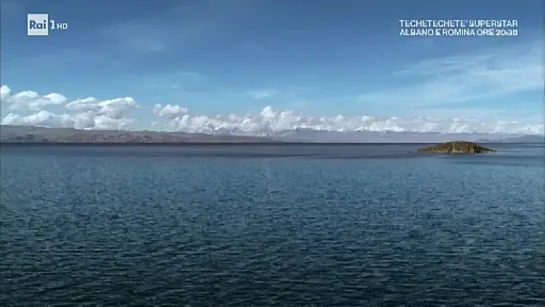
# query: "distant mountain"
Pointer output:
{"type": "Point", "coordinates": [309, 135]}
{"type": "Point", "coordinates": [30, 134]}
{"type": "Point", "coordinates": [531, 139]}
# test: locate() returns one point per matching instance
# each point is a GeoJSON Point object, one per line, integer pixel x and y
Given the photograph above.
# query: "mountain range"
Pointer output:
{"type": "Point", "coordinates": [31, 134]}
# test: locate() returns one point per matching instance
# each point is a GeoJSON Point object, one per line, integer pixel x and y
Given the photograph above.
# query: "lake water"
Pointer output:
{"type": "Point", "coordinates": [271, 225]}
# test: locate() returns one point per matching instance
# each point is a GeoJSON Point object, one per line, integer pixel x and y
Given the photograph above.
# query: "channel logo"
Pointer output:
{"type": "Point", "coordinates": [40, 25]}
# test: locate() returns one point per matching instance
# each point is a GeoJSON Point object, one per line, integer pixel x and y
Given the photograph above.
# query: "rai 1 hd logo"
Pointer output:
{"type": "Point", "coordinates": [41, 25]}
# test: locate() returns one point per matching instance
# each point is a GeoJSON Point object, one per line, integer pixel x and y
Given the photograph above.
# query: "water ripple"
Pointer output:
{"type": "Point", "coordinates": [107, 231]}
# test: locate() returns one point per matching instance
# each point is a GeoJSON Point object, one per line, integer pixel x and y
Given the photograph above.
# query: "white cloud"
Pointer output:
{"type": "Point", "coordinates": [114, 108]}
{"type": "Point", "coordinates": [4, 93]}
{"type": "Point", "coordinates": [106, 122]}
{"type": "Point", "coordinates": [456, 79]}
{"type": "Point", "coordinates": [87, 113]}
{"type": "Point", "coordinates": [29, 100]}
{"type": "Point", "coordinates": [92, 113]}
{"type": "Point", "coordinates": [42, 117]}
{"type": "Point", "coordinates": [271, 121]}
{"type": "Point", "coordinates": [169, 111]}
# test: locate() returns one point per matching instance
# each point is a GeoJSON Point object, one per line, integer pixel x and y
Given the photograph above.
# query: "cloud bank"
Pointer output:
{"type": "Point", "coordinates": [88, 113]}
{"type": "Point", "coordinates": [55, 110]}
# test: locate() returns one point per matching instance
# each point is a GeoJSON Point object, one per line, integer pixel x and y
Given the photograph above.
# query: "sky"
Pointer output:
{"type": "Point", "coordinates": [257, 66]}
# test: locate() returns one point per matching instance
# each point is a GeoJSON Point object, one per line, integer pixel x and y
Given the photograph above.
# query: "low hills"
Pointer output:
{"type": "Point", "coordinates": [30, 134]}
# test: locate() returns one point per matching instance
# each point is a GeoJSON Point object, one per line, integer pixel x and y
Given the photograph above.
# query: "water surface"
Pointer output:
{"type": "Point", "coordinates": [271, 225]}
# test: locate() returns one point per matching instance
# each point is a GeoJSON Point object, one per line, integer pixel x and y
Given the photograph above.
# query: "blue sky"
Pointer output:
{"type": "Point", "coordinates": [318, 58]}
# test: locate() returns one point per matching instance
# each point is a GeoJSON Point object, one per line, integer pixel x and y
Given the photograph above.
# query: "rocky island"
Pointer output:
{"type": "Point", "coordinates": [458, 147]}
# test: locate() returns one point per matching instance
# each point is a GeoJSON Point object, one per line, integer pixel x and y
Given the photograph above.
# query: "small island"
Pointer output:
{"type": "Point", "coordinates": [458, 147]}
